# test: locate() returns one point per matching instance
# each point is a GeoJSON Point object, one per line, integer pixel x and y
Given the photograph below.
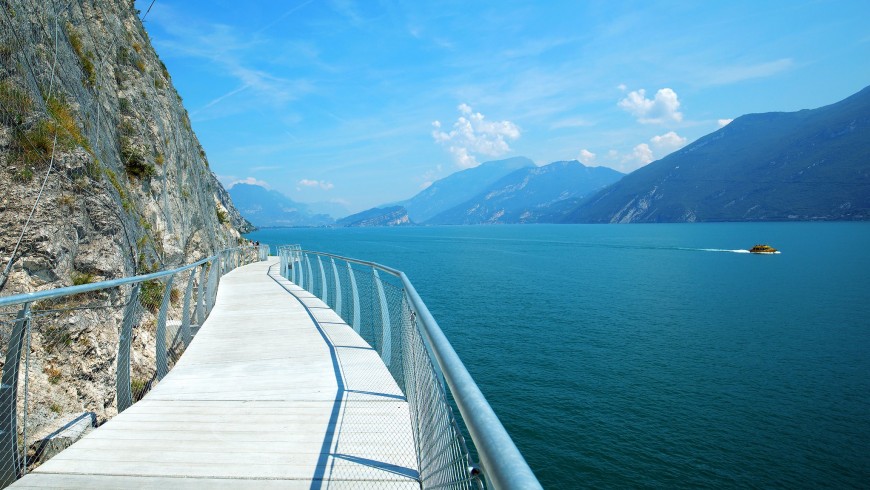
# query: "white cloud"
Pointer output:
{"type": "Point", "coordinates": [316, 183]}
{"type": "Point", "coordinates": [251, 181]}
{"type": "Point", "coordinates": [658, 147]}
{"type": "Point", "coordinates": [641, 154]}
{"type": "Point", "coordinates": [622, 87]}
{"type": "Point", "coordinates": [668, 142]}
{"type": "Point", "coordinates": [662, 108]}
{"type": "Point", "coordinates": [724, 122]}
{"type": "Point", "coordinates": [472, 133]}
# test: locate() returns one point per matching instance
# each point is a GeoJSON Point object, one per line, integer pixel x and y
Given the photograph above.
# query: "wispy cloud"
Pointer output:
{"type": "Point", "coordinates": [234, 53]}
{"type": "Point", "coordinates": [571, 122]}
{"type": "Point", "coordinates": [724, 75]}
{"type": "Point", "coordinates": [265, 168]}
{"type": "Point", "coordinates": [316, 183]}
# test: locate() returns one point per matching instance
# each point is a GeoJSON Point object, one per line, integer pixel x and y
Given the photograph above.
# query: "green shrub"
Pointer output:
{"type": "Point", "coordinates": [79, 278]}
{"type": "Point", "coordinates": [85, 57]}
{"type": "Point", "coordinates": [134, 160]}
{"type": "Point", "coordinates": [24, 175]}
{"type": "Point", "coordinates": [222, 216]}
{"type": "Point", "coordinates": [14, 102]}
{"type": "Point", "coordinates": [67, 128]}
{"type": "Point", "coordinates": [151, 295]}
{"type": "Point", "coordinates": [54, 374]}
{"type": "Point", "coordinates": [138, 388]}
{"type": "Point", "coordinates": [164, 70]}
{"type": "Point", "coordinates": [125, 106]}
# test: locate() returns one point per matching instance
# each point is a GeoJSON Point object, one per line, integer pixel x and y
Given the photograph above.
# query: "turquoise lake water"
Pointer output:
{"type": "Point", "coordinates": [653, 355]}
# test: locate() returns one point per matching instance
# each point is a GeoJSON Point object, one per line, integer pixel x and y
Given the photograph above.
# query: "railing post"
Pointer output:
{"type": "Point", "coordinates": [160, 354]}
{"type": "Point", "coordinates": [337, 287]}
{"type": "Point", "coordinates": [122, 377]}
{"type": "Point", "coordinates": [185, 315]}
{"type": "Point", "coordinates": [10, 457]}
{"type": "Point", "coordinates": [296, 265]}
{"type": "Point", "coordinates": [200, 298]}
{"type": "Point", "coordinates": [355, 292]}
{"type": "Point", "coordinates": [310, 287]}
{"type": "Point", "coordinates": [212, 284]}
{"type": "Point", "coordinates": [387, 338]}
{"type": "Point", "coordinates": [299, 273]}
{"type": "Point", "coordinates": [324, 293]}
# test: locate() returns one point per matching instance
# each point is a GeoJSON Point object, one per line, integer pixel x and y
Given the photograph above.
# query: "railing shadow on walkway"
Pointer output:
{"type": "Point", "coordinates": [334, 426]}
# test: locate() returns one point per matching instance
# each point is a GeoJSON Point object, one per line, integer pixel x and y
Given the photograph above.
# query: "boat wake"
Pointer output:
{"type": "Point", "coordinates": [739, 251]}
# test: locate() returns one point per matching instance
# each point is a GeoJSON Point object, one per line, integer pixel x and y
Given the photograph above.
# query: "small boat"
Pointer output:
{"type": "Point", "coordinates": [763, 249]}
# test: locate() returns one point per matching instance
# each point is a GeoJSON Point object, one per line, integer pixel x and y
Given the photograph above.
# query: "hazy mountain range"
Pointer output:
{"type": "Point", "coordinates": [812, 164]}
{"type": "Point", "coordinates": [527, 195]}
{"type": "Point", "coordinates": [265, 207]}
{"type": "Point", "coordinates": [459, 187]}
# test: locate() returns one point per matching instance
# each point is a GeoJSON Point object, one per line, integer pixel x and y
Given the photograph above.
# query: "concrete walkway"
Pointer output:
{"type": "Point", "coordinates": [264, 397]}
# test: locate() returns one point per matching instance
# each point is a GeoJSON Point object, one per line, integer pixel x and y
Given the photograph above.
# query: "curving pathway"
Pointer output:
{"type": "Point", "coordinates": [275, 391]}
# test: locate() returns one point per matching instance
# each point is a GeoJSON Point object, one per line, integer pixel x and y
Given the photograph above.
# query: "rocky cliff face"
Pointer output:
{"type": "Point", "coordinates": [127, 187]}
{"type": "Point", "coordinates": [390, 216]}
{"type": "Point", "coordinates": [101, 177]}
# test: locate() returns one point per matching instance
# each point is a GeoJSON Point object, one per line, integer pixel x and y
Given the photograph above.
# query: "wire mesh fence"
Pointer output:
{"type": "Point", "coordinates": [75, 357]}
{"type": "Point", "coordinates": [375, 302]}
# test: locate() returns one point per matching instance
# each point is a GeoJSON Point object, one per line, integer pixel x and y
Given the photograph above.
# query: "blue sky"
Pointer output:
{"type": "Point", "coordinates": [366, 102]}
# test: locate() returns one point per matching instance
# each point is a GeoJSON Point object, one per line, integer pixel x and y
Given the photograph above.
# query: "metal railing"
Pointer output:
{"type": "Point", "coordinates": [381, 305]}
{"type": "Point", "coordinates": [92, 350]}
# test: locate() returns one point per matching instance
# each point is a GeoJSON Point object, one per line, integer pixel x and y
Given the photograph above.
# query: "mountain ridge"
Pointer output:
{"type": "Point", "coordinates": [525, 195]}
{"type": "Point", "coordinates": [804, 165]}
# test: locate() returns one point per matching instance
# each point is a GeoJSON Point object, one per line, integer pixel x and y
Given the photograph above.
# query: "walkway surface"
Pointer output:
{"type": "Point", "coordinates": [264, 397]}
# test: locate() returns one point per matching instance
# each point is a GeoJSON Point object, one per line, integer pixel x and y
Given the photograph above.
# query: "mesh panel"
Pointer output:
{"type": "Point", "coordinates": [387, 323]}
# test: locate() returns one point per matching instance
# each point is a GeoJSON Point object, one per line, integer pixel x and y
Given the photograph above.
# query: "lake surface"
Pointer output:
{"type": "Point", "coordinates": [653, 355]}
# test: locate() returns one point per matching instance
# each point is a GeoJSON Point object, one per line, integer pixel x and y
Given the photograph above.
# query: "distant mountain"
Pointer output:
{"type": "Point", "coordinates": [390, 216]}
{"type": "Point", "coordinates": [805, 165]}
{"type": "Point", "coordinates": [333, 209]}
{"type": "Point", "coordinates": [264, 207]}
{"type": "Point", "coordinates": [528, 194]}
{"type": "Point", "coordinates": [459, 187]}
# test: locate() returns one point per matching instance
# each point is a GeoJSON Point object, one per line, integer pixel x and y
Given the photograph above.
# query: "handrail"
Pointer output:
{"type": "Point", "coordinates": [503, 464]}
{"type": "Point", "coordinates": [96, 286]}
{"type": "Point", "coordinates": [84, 288]}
